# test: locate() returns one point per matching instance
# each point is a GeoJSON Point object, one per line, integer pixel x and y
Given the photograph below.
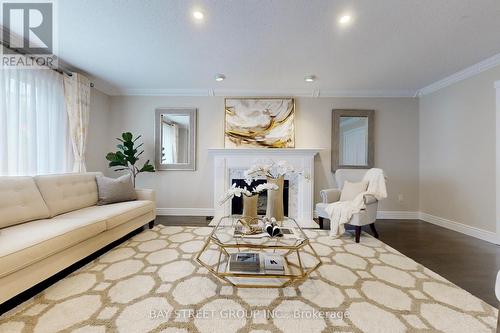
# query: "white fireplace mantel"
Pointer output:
{"type": "Point", "coordinates": [228, 161]}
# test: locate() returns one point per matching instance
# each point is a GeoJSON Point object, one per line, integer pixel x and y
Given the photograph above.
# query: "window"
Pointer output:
{"type": "Point", "coordinates": [33, 123]}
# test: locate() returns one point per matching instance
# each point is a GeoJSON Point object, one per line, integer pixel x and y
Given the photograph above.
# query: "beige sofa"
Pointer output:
{"type": "Point", "coordinates": [49, 222]}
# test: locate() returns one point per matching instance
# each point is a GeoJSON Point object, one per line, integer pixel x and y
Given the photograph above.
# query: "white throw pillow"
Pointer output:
{"type": "Point", "coordinates": [351, 190]}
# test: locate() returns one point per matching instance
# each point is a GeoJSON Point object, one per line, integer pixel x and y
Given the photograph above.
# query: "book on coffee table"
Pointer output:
{"type": "Point", "coordinates": [274, 263]}
{"type": "Point", "coordinates": [244, 262]}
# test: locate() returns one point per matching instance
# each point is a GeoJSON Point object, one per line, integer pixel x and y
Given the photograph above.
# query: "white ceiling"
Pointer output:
{"type": "Point", "coordinates": [392, 46]}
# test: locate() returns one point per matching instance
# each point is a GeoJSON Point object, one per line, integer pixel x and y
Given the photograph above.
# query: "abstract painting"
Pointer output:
{"type": "Point", "coordinates": [259, 123]}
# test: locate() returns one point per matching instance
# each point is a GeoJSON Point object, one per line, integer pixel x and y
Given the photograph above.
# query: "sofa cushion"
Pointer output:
{"type": "Point", "coordinates": [112, 190]}
{"type": "Point", "coordinates": [24, 244]}
{"type": "Point", "coordinates": [67, 192]}
{"type": "Point", "coordinates": [20, 201]}
{"type": "Point", "coordinates": [114, 214]}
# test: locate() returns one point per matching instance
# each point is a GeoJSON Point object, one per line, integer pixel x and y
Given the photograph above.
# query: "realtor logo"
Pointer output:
{"type": "Point", "coordinates": [29, 27]}
{"type": "Point", "coordinates": [28, 34]}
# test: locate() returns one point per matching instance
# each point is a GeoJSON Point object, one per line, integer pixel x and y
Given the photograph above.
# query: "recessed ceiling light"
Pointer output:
{"type": "Point", "coordinates": [309, 78]}
{"type": "Point", "coordinates": [220, 77]}
{"type": "Point", "coordinates": [198, 15]}
{"type": "Point", "coordinates": [345, 19]}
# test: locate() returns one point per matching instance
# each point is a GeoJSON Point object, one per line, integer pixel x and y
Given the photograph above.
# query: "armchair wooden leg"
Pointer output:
{"type": "Point", "coordinates": [498, 320]}
{"type": "Point", "coordinates": [151, 224]}
{"type": "Point", "coordinates": [358, 233]}
{"type": "Point", "coordinates": [321, 220]}
{"type": "Point", "coordinates": [375, 233]}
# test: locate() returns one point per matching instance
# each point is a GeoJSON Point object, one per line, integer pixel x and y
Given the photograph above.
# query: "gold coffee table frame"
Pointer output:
{"type": "Point", "coordinates": [223, 241]}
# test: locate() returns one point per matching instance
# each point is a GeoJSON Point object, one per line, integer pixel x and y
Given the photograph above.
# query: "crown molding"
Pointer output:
{"type": "Point", "coordinates": [262, 93]}
{"type": "Point", "coordinates": [162, 92]}
{"type": "Point", "coordinates": [462, 75]}
{"type": "Point", "coordinates": [367, 93]}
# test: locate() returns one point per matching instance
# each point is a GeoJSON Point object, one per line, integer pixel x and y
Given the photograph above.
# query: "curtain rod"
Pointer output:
{"type": "Point", "coordinates": [58, 70]}
{"type": "Point", "coordinates": [167, 123]}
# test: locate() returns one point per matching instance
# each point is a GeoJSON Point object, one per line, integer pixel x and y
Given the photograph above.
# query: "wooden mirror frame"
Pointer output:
{"type": "Point", "coordinates": [192, 113]}
{"type": "Point", "coordinates": [336, 114]}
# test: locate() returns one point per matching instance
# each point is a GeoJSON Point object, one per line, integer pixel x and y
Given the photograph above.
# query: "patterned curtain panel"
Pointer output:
{"type": "Point", "coordinates": [33, 123]}
{"type": "Point", "coordinates": [77, 95]}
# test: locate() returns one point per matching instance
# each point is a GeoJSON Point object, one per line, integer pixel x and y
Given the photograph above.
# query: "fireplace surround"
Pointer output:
{"type": "Point", "coordinates": [230, 164]}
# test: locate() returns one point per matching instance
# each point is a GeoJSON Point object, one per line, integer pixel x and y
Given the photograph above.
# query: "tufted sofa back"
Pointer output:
{"type": "Point", "coordinates": [20, 201]}
{"type": "Point", "coordinates": [67, 192]}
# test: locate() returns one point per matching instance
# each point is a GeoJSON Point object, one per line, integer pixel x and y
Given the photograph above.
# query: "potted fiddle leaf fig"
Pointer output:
{"type": "Point", "coordinates": [128, 155]}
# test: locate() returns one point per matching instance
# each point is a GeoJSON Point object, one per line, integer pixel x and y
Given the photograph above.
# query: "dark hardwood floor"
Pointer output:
{"type": "Point", "coordinates": [187, 221]}
{"type": "Point", "coordinates": [468, 262]}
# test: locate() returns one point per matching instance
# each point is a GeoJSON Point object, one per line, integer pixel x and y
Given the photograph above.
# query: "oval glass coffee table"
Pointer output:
{"type": "Point", "coordinates": [279, 260]}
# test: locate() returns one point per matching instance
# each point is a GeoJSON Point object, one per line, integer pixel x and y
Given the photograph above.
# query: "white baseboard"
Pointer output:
{"type": "Point", "coordinates": [485, 235]}
{"type": "Point", "coordinates": [185, 211]}
{"type": "Point", "coordinates": [390, 215]}
{"type": "Point", "coordinates": [397, 215]}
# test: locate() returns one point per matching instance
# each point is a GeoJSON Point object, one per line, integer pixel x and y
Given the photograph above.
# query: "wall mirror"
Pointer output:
{"type": "Point", "coordinates": [352, 139]}
{"type": "Point", "coordinates": [175, 139]}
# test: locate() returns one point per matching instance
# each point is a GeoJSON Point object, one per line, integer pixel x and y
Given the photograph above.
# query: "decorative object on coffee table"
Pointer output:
{"type": "Point", "coordinates": [128, 155]}
{"type": "Point", "coordinates": [275, 173]}
{"type": "Point", "coordinates": [250, 206]}
{"type": "Point", "coordinates": [249, 226]}
{"type": "Point", "coordinates": [250, 199]}
{"type": "Point", "coordinates": [275, 199]}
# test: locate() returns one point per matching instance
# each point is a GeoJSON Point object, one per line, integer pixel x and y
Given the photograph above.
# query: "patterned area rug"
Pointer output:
{"type": "Point", "coordinates": [152, 283]}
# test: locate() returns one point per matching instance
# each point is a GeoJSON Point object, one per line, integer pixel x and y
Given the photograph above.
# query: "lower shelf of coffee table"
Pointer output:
{"type": "Point", "coordinates": [294, 267]}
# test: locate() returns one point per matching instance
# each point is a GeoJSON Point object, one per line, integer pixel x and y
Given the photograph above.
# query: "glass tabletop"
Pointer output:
{"type": "Point", "coordinates": [228, 233]}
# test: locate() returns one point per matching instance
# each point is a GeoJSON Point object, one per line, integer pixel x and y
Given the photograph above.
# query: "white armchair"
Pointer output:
{"type": "Point", "coordinates": [366, 216]}
{"type": "Point", "coordinates": [497, 294]}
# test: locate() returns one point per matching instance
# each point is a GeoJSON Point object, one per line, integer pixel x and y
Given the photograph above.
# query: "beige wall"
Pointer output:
{"type": "Point", "coordinates": [457, 152]}
{"type": "Point", "coordinates": [438, 152]}
{"type": "Point", "coordinates": [396, 132]}
{"type": "Point", "coordinates": [497, 86]}
{"type": "Point", "coordinates": [98, 136]}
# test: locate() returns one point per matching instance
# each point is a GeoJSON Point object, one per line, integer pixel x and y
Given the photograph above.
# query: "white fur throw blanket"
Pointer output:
{"type": "Point", "coordinates": [340, 212]}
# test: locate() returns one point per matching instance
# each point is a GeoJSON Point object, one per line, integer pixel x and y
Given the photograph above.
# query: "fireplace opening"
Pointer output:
{"type": "Point", "coordinates": [237, 203]}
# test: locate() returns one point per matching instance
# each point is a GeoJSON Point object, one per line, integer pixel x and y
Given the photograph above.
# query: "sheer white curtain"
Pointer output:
{"type": "Point", "coordinates": [33, 123]}
{"type": "Point", "coordinates": [170, 138]}
{"type": "Point", "coordinates": [175, 143]}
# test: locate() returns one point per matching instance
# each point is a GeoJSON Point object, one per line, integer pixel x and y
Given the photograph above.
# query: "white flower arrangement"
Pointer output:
{"type": "Point", "coordinates": [272, 170]}
{"type": "Point", "coordinates": [235, 191]}
{"type": "Point", "coordinates": [265, 187]}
